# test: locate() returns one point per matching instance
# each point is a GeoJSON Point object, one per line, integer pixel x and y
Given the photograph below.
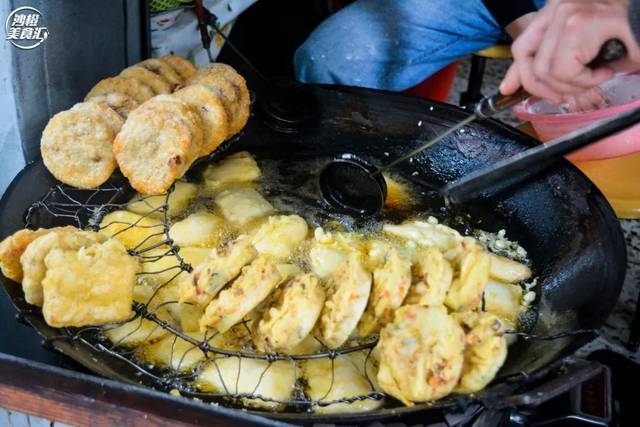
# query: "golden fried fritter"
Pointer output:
{"type": "Point", "coordinates": [33, 258]}
{"type": "Point", "coordinates": [234, 169]}
{"type": "Point", "coordinates": [112, 118]}
{"type": "Point", "coordinates": [160, 266]}
{"type": "Point", "coordinates": [89, 286]}
{"type": "Point", "coordinates": [466, 290]}
{"type": "Point", "coordinates": [330, 249]}
{"type": "Point", "coordinates": [180, 65]}
{"type": "Point", "coordinates": [153, 150]}
{"type": "Point", "coordinates": [428, 234]}
{"type": "Point", "coordinates": [137, 332]}
{"type": "Point", "coordinates": [243, 205]}
{"type": "Point", "coordinates": [507, 270]}
{"type": "Point", "coordinates": [134, 88]}
{"type": "Point", "coordinates": [77, 148]}
{"type": "Point", "coordinates": [121, 103]}
{"type": "Point", "coordinates": [230, 375]}
{"type": "Point", "coordinates": [133, 230]}
{"type": "Point", "coordinates": [186, 114]}
{"type": "Point", "coordinates": [348, 291]}
{"type": "Point", "coordinates": [329, 380]}
{"type": "Point", "coordinates": [291, 316]}
{"type": "Point", "coordinates": [503, 300]}
{"type": "Point", "coordinates": [174, 352]}
{"type": "Point", "coordinates": [485, 353]}
{"type": "Point", "coordinates": [162, 69]}
{"type": "Point", "coordinates": [208, 106]}
{"type": "Point", "coordinates": [12, 248]}
{"type": "Point", "coordinates": [221, 266]}
{"type": "Point", "coordinates": [280, 235]}
{"type": "Point", "coordinates": [198, 229]}
{"type": "Point", "coordinates": [237, 112]}
{"type": "Point", "coordinates": [421, 354]}
{"type": "Point", "coordinates": [255, 283]}
{"type": "Point", "coordinates": [432, 278]}
{"type": "Point", "coordinates": [238, 82]}
{"type": "Point", "coordinates": [157, 83]}
{"type": "Point", "coordinates": [179, 199]}
{"type": "Point", "coordinates": [391, 282]}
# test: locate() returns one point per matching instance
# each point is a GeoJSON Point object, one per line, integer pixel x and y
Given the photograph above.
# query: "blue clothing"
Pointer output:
{"type": "Point", "coordinates": [394, 44]}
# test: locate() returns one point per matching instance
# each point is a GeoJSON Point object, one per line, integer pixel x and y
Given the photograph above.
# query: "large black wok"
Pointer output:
{"type": "Point", "coordinates": [572, 235]}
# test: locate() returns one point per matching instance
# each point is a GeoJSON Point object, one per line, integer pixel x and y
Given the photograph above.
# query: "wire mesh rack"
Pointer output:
{"type": "Point", "coordinates": [191, 356]}
{"type": "Point", "coordinates": [198, 366]}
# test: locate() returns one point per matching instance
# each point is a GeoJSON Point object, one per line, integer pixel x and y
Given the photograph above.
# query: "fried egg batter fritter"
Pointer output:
{"type": "Point", "coordinates": [341, 379]}
{"type": "Point", "coordinates": [292, 315]}
{"type": "Point", "coordinates": [391, 282]}
{"type": "Point", "coordinates": [33, 258]}
{"type": "Point", "coordinates": [274, 381]}
{"type": "Point", "coordinates": [280, 235]}
{"type": "Point", "coordinates": [222, 266]}
{"type": "Point", "coordinates": [421, 354]}
{"type": "Point", "coordinates": [330, 249]}
{"type": "Point", "coordinates": [466, 290]}
{"type": "Point", "coordinates": [133, 230]}
{"type": "Point", "coordinates": [201, 228]}
{"type": "Point", "coordinates": [172, 351]}
{"type": "Point", "coordinates": [485, 353]}
{"type": "Point", "coordinates": [238, 168]}
{"type": "Point", "coordinates": [12, 248]}
{"type": "Point", "coordinates": [348, 291]}
{"type": "Point", "coordinates": [428, 234]}
{"type": "Point", "coordinates": [242, 206]}
{"type": "Point", "coordinates": [507, 270]}
{"type": "Point", "coordinates": [432, 278]}
{"type": "Point", "coordinates": [89, 286]}
{"type": "Point", "coordinates": [255, 283]}
{"type": "Point", "coordinates": [182, 195]}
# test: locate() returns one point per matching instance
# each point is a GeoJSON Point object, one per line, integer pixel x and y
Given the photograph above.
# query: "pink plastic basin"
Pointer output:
{"type": "Point", "coordinates": [623, 92]}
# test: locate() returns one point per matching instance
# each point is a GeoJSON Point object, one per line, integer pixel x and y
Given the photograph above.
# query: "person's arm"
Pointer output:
{"type": "Point", "coordinates": [551, 55]}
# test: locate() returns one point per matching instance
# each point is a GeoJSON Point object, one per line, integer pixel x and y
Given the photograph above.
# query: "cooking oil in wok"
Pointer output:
{"type": "Point", "coordinates": [291, 186]}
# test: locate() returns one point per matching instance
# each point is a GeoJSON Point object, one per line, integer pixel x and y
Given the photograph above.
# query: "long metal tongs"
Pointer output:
{"type": "Point", "coordinates": [351, 186]}
{"type": "Point", "coordinates": [513, 170]}
{"type": "Point", "coordinates": [611, 51]}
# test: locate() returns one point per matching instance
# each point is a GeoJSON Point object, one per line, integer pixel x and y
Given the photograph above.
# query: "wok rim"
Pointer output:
{"type": "Point", "coordinates": [377, 414]}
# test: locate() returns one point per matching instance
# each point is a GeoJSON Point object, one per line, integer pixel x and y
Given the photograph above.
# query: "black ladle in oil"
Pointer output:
{"type": "Point", "coordinates": [354, 186]}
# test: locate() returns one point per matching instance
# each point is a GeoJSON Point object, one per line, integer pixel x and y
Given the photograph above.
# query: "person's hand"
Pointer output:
{"type": "Point", "coordinates": [552, 53]}
{"type": "Point", "coordinates": [591, 99]}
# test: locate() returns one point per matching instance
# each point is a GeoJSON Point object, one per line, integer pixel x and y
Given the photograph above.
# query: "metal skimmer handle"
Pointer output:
{"type": "Point", "coordinates": [611, 51]}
